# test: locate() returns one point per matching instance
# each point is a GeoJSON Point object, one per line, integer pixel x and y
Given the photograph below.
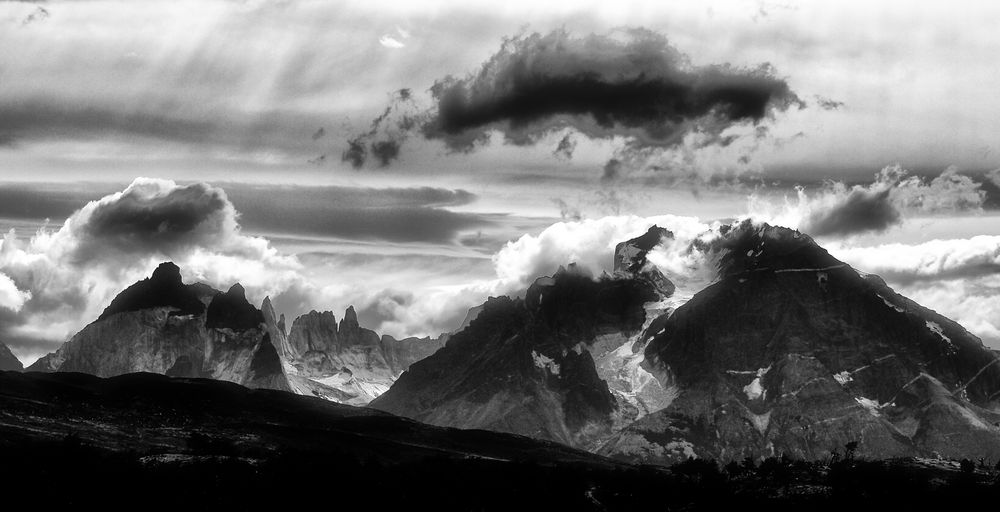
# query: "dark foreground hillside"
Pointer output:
{"type": "Point", "coordinates": [152, 442]}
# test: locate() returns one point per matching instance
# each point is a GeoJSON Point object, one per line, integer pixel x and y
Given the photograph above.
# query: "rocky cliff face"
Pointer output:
{"type": "Point", "coordinates": [525, 366]}
{"type": "Point", "coordinates": [160, 325]}
{"type": "Point", "coordinates": [8, 361]}
{"type": "Point", "coordinates": [792, 351]}
{"type": "Point", "coordinates": [345, 362]}
{"type": "Point", "coordinates": [630, 259]}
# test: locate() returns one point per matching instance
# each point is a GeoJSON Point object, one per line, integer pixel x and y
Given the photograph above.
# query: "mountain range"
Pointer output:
{"type": "Point", "coordinates": [788, 351]}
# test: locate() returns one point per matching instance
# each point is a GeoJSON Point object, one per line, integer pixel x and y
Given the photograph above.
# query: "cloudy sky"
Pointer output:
{"type": "Point", "coordinates": [413, 158]}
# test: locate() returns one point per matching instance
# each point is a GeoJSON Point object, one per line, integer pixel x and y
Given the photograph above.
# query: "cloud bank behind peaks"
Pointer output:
{"type": "Point", "coordinates": [56, 281]}
{"type": "Point", "coordinates": [631, 84]}
{"type": "Point", "coordinates": [838, 210]}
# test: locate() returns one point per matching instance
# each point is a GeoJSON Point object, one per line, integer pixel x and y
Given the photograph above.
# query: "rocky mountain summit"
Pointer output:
{"type": "Point", "coordinates": [161, 325]}
{"type": "Point", "coordinates": [556, 364]}
{"type": "Point", "coordinates": [793, 352]}
{"type": "Point", "coordinates": [630, 259]}
{"type": "Point", "coordinates": [788, 351]}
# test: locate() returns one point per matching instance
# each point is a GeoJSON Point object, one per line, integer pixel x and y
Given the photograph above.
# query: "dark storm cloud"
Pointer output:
{"type": "Point", "coordinates": [385, 134]}
{"type": "Point", "coordinates": [631, 83]}
{"type": "Point", "coordinates": [859, 211]}
{"type": "Point", "coordinates": [150, 217]}
{"type": "Point", "coordinates": [839, 210]}
{"type": "Point", "coordinates": [385, 151]}
{"type": "Point", "coordinates": [612, 170]}
{"type": "Point", "coordinates": [991, 187]}
{"type": "Point", "coordinates": [39, 14]}
{"type": "Point", "coordinates": [829, 104]}
{"type": "Point", "coordinates": [565, 147]}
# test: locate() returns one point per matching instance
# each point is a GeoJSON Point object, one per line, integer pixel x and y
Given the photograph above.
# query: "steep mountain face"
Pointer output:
{"type": "Point", "coordinates": [792, 351]}
{"type": "Point", "coordinates": [525, 366]}
{"type": "Point", "coordinates": [8, 361]}
{"type": "Point", "coordinates": [630, 259]}
{"type": "Point", "coordinates": [160, 325]}
{"type": "Point", "coordinates": [345, 362]}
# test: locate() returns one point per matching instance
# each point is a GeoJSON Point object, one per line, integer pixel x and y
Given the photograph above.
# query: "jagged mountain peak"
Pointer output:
{"type": "Point", "coordinates": [161, 325]}
{"type": "Point", "coordinates": [574, 307]}
{"type": "Point", "coordinates": [749, 246]}
{"type": "Point", "coordinates": [267, 309]}
{"type": "Point", "coordinates": [167, 272]}
{"type": "Point", "coordinates": [630, 255]}
{"type": "Point", "coordinates": [794, 351]}
{"type": "Point", "coordinates": [525, 365]}
{"type": "Point", "coordinates": [8, 361]}
{"type": "Point", "coordinates": [350, 321]}
{"type": "Point", "coordinates": [237, 291]}
{"type": "Point", "coordinates": [630, 259]}
{"type": "Point", "coordinates": [232, 310]}
{"type": "Point", "coordinates": [164, 288]}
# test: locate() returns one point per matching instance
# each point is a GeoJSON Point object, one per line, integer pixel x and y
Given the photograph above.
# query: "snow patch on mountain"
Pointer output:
{"type": "Point", "coordinates": [760, 421]}
{"type": "Point", "coordinates": [755, 389]}
{"type": "Point", "coordinates": [843, 377]}
{"type": "Point", "coordinates": [891, 305]}
{"type": "Point", "coordinates": [936, 329]}
{"type": "Point", "coordinates": [872, 406]}
{"type": "Point", "coordinates": [545, 363]}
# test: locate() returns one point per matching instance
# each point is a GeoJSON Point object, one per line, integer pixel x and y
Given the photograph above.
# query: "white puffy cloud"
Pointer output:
{"type": "Point", "coordinates": [958, 278]}
{"type": "Point", "coordinates": [62, 279]}
{"type": "Point", "coordinates": [933, 260]}
{"type": "Point", "coordinates": [590, 243]}
{"type": "Point", "coordinates": [10, 297]}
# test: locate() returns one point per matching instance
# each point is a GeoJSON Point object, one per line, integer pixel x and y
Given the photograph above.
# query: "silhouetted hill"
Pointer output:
{"type": "Point", "coordinates": [72, 440]}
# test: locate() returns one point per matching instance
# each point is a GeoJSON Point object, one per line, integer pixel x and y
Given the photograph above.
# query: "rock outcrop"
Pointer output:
{"type": "Point", "coordinates": [793, 352]}
{"type": "Point", "coordinates": [161, 325]}
{"type": "Point", "coordinates": [8, 361]}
